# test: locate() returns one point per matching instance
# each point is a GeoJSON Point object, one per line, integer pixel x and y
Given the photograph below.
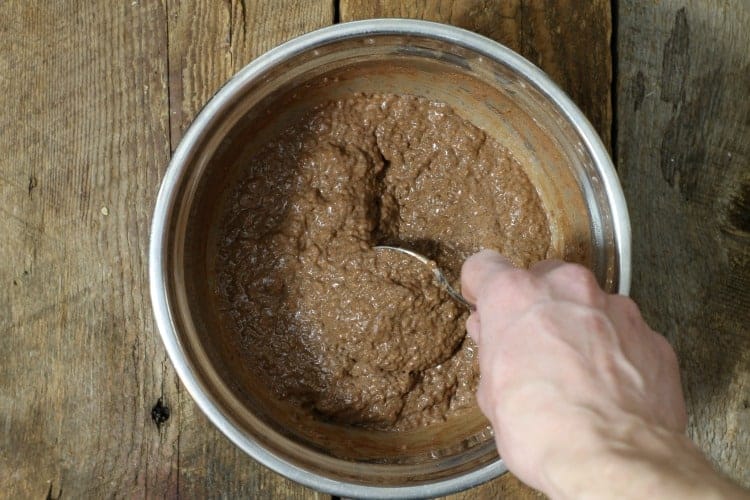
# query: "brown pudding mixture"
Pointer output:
{"type": "Point", "coordinates": [355, 335]}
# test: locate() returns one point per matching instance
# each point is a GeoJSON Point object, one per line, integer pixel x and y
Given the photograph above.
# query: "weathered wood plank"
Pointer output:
{"type": "Point", "coordinates": [86, 135]}
{"type": "Point", "coordinates": [85, 128]}
{"type": "Point", "coordinates": [84, 138]}
{"type": "Point", "coordinates": [684, 158]}
{"type": "Point", "coordinates": [209, 41]}
{"type": "Point", "coordinates": [570, 40]}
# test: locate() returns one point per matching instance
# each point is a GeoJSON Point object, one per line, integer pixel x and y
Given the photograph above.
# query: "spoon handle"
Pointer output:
{"type": "Point", "coordinates": [445, 285]}
{"type": "Point", "coordinates": [439, 276]}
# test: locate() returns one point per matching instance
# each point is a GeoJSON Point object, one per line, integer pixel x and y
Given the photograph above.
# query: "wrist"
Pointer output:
{"type": "Point", "coordinates": [634, 460]}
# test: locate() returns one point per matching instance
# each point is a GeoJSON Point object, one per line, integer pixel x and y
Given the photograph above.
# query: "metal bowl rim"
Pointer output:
{"type": "Point", "coordinates": [179, 167]}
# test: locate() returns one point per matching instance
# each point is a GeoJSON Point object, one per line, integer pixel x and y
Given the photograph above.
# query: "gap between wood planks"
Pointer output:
{"type": "Point", "coordinates": [614, 8]}
{"type": "Point", "coordinates": [336, 11]}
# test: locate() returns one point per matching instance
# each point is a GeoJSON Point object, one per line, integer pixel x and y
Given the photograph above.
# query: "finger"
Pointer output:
{"type": "Point", "coordinates": [544, 267]}
{"type": "Point", "coordinates": [637, 339]}
{"type": "Point", "coordinates": [671, 390]}
{"type": "Point", "coordinates": [571, 282]}
{"type": "Point", "coordinates": [649, 350]}
{"type": "Point", "coordinates": [473, 328]}
{"type": "Point", "coordinates": [478, 269]}
{"type": "Point", "coordinates": [625, 314]}
{"type": "Point", "coordinates": [501, 292]}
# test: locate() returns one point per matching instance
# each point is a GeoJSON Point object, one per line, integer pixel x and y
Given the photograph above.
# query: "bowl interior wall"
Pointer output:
{"type": "Point", "coordinates": [486, 93]}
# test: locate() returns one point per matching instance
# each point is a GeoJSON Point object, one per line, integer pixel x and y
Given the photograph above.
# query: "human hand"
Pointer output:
{"type": "Point", "coordinates": [576, 385]}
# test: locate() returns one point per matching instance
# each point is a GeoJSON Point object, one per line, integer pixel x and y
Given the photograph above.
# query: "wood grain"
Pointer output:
{"type": "Point", "coordinates": [82, 130]}
{"type": "Point", "coordinates": [568, 39]}
{"type": "Point", "coordinates": [95, 94]}
{"type": "Point", "coordinates": [684, 158]}
{"type": "Point", "coordinates": [85, 132]}
{"type": "Point", "coordinates": [209, 41]}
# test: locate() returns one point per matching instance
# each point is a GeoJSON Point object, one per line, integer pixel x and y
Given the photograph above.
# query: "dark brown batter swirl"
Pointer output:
{"type": "Point", "coordinates": [360, 336]}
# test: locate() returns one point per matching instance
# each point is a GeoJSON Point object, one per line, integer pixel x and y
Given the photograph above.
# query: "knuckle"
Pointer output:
{"type": "Point", "coordinates": [629, 309]}
{"type": "Point", "coordinates": [667, 351]}
{"type": "Point", "coordinates": [600, 324]}
{"type": "Point", "coordinates": [581, 283]}
{"type": "Point", "coordinates": [510, 282]}
{"type": "Point", "coordinates": [579, 274]}
{"type": "Point", "coordinates": [627, 304]}
{"type": "Point", "coordinates": [589, 320]}
{"type": "Point", "coordinates": [520, 279]}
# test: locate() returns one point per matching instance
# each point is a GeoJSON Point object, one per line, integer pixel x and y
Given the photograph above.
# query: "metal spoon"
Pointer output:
{"type": "Point", "coordinates": [442, 281]}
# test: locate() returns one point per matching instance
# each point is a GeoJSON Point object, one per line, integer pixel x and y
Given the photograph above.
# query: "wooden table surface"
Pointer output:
{"type": "Point", "coordinates": [94, 97]}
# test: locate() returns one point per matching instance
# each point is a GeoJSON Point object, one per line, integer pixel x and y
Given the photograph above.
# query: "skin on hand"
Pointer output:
{"type": "Point", "coordinates": [584, 398]}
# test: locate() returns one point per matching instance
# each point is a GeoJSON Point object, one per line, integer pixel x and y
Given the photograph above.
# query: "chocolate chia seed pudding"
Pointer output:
{"type": "Point", "coordinates": [344, 332]}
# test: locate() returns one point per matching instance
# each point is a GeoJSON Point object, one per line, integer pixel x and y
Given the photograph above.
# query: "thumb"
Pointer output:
{"type": "Point", "coordinates": [479, 269]}
{"type": "Point", "coordinates": [475, 273]}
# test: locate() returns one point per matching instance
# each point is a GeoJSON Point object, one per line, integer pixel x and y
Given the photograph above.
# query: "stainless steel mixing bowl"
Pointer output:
{"type": "Point", "coordinates": [485, 82]}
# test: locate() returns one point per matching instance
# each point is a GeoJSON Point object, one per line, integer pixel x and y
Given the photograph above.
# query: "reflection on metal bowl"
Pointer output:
{"type": "Point", "coordinates": [486, 83]}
